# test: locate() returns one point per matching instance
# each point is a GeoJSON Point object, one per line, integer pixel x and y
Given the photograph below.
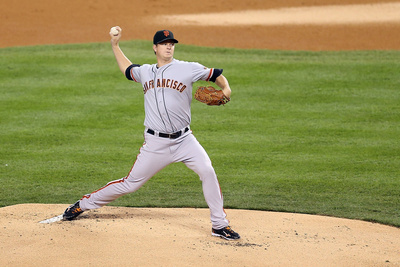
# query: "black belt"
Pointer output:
{"type": "Point", "coordinates": [171, 136]}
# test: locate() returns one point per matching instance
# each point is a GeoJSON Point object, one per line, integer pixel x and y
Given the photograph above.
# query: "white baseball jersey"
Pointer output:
{"type": "Point", "coordinates": [168, 92]}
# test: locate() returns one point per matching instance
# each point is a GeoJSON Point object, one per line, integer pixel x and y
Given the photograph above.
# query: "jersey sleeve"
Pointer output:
{"type": "Point", "coordinates": [132, 73]}
{"type": "Point", "coordinates": [199, 72]}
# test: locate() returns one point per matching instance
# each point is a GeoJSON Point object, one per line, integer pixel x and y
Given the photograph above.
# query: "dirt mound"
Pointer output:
{"type": "Point", "coordinates": [118, 236]}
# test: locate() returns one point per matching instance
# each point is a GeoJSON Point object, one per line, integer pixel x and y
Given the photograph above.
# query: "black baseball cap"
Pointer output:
{"type": "Point", "coordinates": [162, 36]}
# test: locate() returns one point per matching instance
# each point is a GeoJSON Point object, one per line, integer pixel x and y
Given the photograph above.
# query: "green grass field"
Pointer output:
{"type": "Point", "coordinates": [305, 132]}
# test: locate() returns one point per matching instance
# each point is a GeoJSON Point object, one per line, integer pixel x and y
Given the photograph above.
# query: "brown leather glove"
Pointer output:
{"type": "Point", "coordinates": [211, 96]}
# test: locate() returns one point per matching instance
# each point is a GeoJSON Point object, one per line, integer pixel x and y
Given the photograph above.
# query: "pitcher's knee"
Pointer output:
{"type": "Point", "coordinates": [207, 173]}
{"type": "Point", "coordinates": [132, 184]}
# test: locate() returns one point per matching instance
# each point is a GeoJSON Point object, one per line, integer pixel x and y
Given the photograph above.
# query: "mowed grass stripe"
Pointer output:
{"type": "Point", "coordinates": [306, 132]}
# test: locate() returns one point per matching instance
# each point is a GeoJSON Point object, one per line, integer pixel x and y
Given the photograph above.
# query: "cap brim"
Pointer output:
{"type": "Point", "coordinates": [166, 39]}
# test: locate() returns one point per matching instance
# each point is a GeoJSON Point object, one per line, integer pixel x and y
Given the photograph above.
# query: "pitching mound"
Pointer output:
{"type": "Point", "coordinates": [116, 236]}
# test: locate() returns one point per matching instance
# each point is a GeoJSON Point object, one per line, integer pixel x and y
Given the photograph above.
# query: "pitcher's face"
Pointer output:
{"type": "Point", "coordinates": [165, 50]}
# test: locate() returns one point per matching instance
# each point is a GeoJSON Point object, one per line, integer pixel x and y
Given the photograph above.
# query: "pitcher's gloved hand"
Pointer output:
{"type": "Point", "coordinates": [211, 96]}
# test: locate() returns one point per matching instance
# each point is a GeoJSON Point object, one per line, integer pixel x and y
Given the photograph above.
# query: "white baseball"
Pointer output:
{"type": "Point", "coordinates": [114, 31]}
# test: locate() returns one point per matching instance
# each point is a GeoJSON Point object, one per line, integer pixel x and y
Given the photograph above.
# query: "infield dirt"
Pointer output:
{"type": "Point", "coordinates": [54, 22]}
{"type": "Point", "coordinates": [117, 236]}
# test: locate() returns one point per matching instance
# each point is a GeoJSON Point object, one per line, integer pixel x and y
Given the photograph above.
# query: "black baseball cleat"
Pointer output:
{"type": "Point", "coordinates": [226, 233]}
{"type": "Point", "coordinates": [72, 211]}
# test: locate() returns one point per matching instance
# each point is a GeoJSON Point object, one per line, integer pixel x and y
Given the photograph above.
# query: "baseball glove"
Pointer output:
{"type": "Point", "coordinates": [211, 96]}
